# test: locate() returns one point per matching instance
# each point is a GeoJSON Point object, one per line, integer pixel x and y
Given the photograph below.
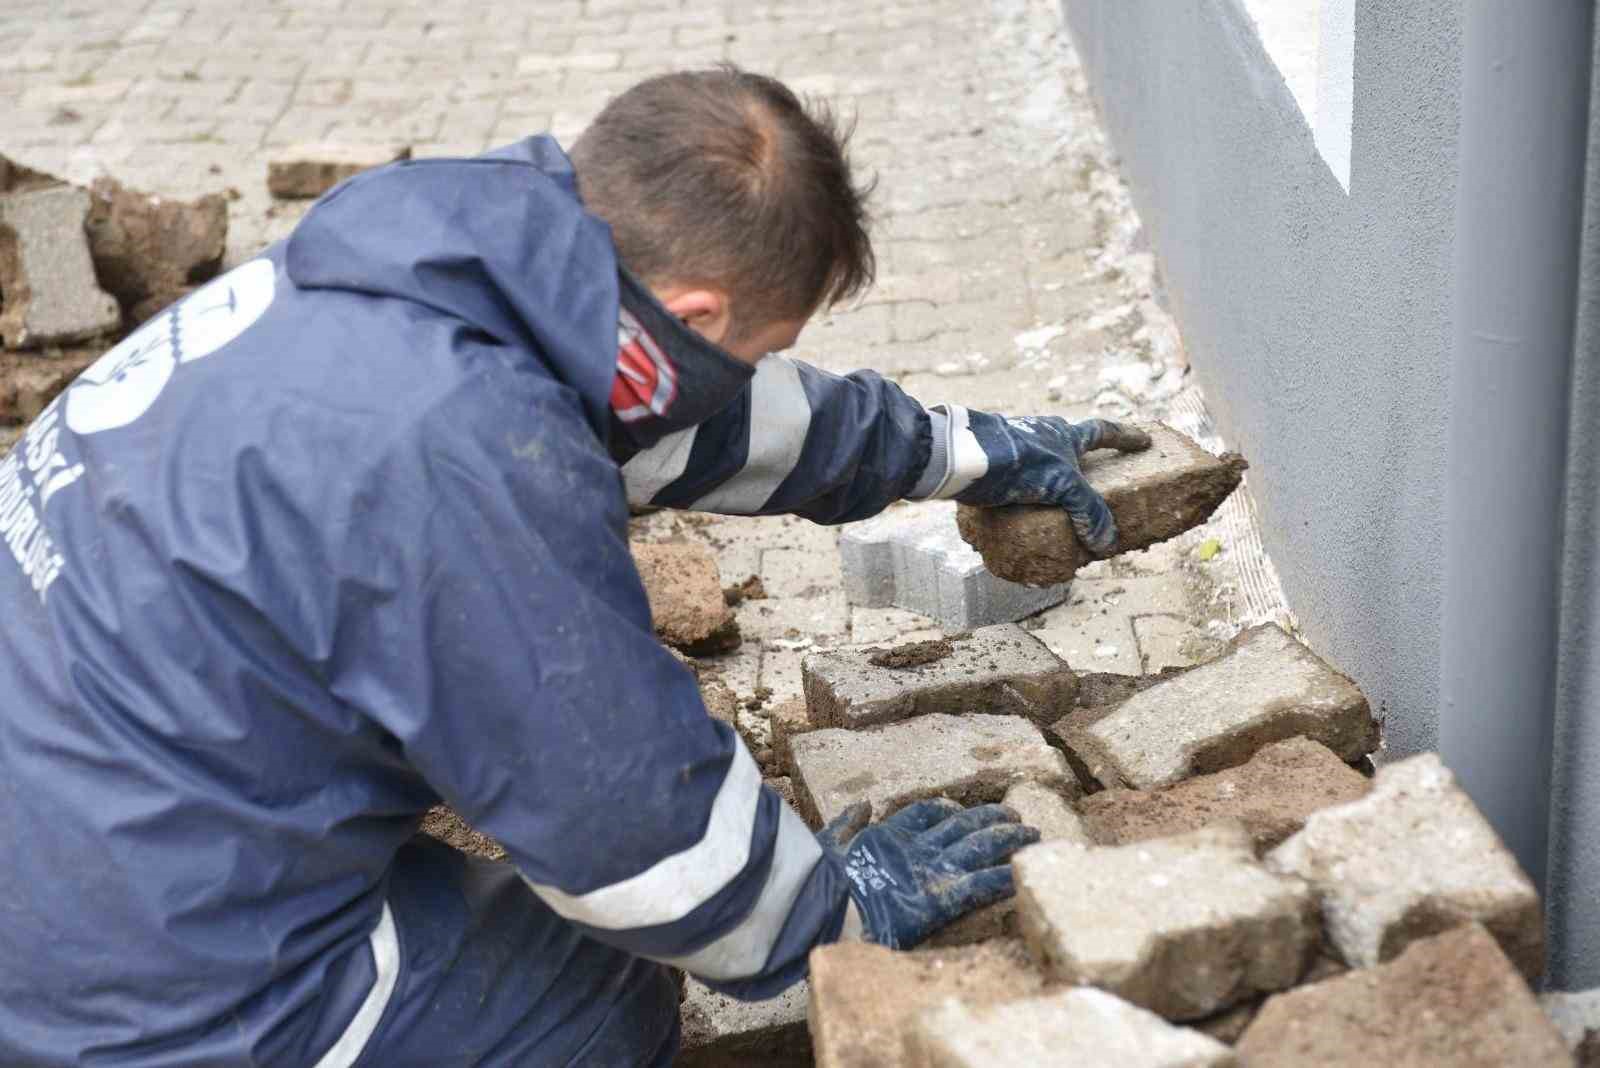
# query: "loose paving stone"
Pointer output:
{"type": "Point", "coordinates": [149, 251]}
{"type": "Point", "coordinates": [1001, 669]}
{"type": "Point", "coordinates": [685, 594]}
{"type": "Point", "coordinates": [48, 291]}
{"type": "Point", "coordinates": [913, 557]}
{"type": "Point", "coordinates": [1049, 811]}
{"type": "Point", "coordinates": [1449, 1000]}
{"type": "Point", "coordinates": [970, 759]}
{"type": "Point", "coordinates": [864, 997]}
{"type": "Point", "coordinates": [785, 720]}
{"type": "Point", "coordinates": [1171, 487]}
{"type": "Point", "coordinates": [306, 171]}
{"type": "Point", "coordinates": [1182, 926]}
{"type": "Point", "coordinates": [1271, 795]}
{"type": "Point", "coordinates": [1266, 688]}
{"type": "Point", "coordinates": [724, 1032]}
{"type": "Point", "coordinates": [1082, 1026]}
{"type": "Point", "coordinates": [1413, 858]}
{"type": "Point", "coordinates": [1577, 1017]}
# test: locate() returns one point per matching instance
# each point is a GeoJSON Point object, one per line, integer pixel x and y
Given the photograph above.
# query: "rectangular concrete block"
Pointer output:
{"type": "Point", "coordinates": [685, 591]}
{"type": "Point", "coordinates": [1413, 858]}
{"type": "Point", "coordinates": [1449, 1000]}
{"type": "Point", "coordinates": [1069, 1027]}
{"type": "Point", "coordinates": [1272, 795]}
{"type": "Point", "coordinates": [1182, 926]}
{"type": "Point", "coordinates": [1002, 670]}
{"type": "Point", "coordinates": [1171, 487]}
{"type": "Point", "coordinates": [310, 170]}
{"type": "Point", "coordinates": [970, 759]}
{"type": "Point", "coordinates": [724, 1032]}
{"type": "Point", "coordinates": [1266, 688]}
{"type": "Point", "coordinates": [865, 998]}
{"type": "Point", "coordinates": [913, 557]}
{"type": "Point", "coordinates": [47, 282]}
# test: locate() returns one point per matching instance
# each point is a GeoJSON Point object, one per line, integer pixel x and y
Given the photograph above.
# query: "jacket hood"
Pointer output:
{"type": "Point", "coordinates": [500, 241]}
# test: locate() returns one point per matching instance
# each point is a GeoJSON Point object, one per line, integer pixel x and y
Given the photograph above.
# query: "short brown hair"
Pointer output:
{"type": "Point", "coordinates": [723, 177]}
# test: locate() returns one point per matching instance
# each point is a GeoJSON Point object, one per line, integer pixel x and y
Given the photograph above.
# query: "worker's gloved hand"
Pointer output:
{"type": "Point", "coordinates": [925, 866]}
{"type": "Point", "coordinates": [1034, 460]}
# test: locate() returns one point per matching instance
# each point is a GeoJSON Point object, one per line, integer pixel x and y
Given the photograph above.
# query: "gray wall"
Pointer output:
{"type": "Point", "coordinates": [1319, 324]}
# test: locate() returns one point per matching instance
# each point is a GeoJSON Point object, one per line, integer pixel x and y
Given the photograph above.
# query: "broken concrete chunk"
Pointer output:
{"type": "Point", "coordinates": [48, 291]}
{"type": "Point", "coordinates": [1577, 1017]}
{"type": "Point", "coordinates": [1182, 926]}
{"type": "Point", "coordinates": [912, 557]}
{"type": "Point", "coordinates": [1082, 1026]}
{"type": "Point", "coordinates": [1051, 812]}
{"type": "Point", "coordinates": [685, 595]}
{"type": "Point", "coordinates": [31, 380]}
{"type": "Point", "coordinates": [1001, 669]}
{"type": "Point", "coordinates": [1266, 688]}
{"type": "Point", "coordinates": [150, 251]}
{"type": "Point", "coordinates": [724, 1032]}
{"type": "Point", "coordinates": [864, 998]}
{"type": "Point", "coordinates": [15, 178]}
{"type": "Point", "coordinates": [1413, 858]}
{"type": "Point", "coordinates": [1450, 1000]}
{"type": "Point", "coordinates": [1157, 494]}
{"type": "Point", "coordinates": [970, 759]}
{"type": "Point", "coordinates": [305, 171]}
{"type": "Point", "coordinates": [1271, 795]}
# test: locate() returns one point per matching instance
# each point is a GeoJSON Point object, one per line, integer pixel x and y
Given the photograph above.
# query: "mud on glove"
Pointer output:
{"type": "Point", "coordinates": [1034, 460]}
{"type": "Point", "coordinates": [925, 866]}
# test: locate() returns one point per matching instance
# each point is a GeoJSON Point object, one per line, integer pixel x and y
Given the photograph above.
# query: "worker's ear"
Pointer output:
{"type": "Point", "coordinates": [705, 311]}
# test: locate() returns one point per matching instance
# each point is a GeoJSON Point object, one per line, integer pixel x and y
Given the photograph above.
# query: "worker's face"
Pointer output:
{"type": "Point", "coordinates": [708, 313]}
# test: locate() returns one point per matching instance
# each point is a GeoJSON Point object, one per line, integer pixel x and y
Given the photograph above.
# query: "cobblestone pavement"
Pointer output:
{"type": "Point", "coordinates": [1011, 269]}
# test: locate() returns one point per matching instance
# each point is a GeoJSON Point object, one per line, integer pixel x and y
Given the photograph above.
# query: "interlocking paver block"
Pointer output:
{"type": "Point", "coordinates": [1413, 858]}
{"type": "Point", "coordinates": [724, 1032]}
{"type": "Point", "coordinates": [913, 558]}
{"type": "Point", "coordinates": [310, 170]}
{"type": "Point", "coordinates": [1001, 669]}
{"type": "Point", "coordinates": [1182, 926]}
{"type": "Point", "coordinates": [1449, 1000]}
{"type": "Point", "coordinates": [1081, 1026]}
{"type": "Point", "coordinates": [47, 282]}
{"type": "Point", "coordinates": [1266, 688]}
{"type": "Point", "coordinates": [1157, 494]}
{"type": "Point", "coordinates": [971, 759]}
{"type": "Point", "coordinates": [864, 998]}
{"type": "Point", "coordinates": [1272, 795]}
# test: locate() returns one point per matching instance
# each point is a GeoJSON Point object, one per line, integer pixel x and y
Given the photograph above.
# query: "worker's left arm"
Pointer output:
{"type": "Point", "coordinates": [837, 448]}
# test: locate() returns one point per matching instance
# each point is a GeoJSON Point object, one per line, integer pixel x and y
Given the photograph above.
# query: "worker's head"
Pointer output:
{"type": "Point", "coordinates": [732, 200]}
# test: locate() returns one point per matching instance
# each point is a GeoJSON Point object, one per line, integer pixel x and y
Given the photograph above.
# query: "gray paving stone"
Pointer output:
{"type": "Point", "coordinates": [47, 280]}
{"type": "Point", "coordinates": [1413, 858]}
{"type": "Point", "coordinates": [1080, 1026]}
{"type": "Point", "coordinates": [971, 759]}
{"type": "Point", "coordinates": [913, 558]}
{"type": "Point", "coordinates": [1001, 669]}
{"type": "Point", "coordinates": [1048, 810]}
{"type": "Point", "coordinates": [724, 1032]}
{"type": "Point", "coordinates": [1266, 688]}
{"type": "Point", "coordinates": [1182, 926]}
{"type": "Point", "coordinates": [1575, 1014]}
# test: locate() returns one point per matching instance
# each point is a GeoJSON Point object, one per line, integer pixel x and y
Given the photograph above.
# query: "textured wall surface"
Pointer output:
{"type": "Point", "coordinates": [1320, 324]}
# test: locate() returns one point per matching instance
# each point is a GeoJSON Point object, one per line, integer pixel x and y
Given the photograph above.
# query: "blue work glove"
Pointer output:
{"type": "Point", "coordinates": [925, 866]}
{"type": "Point", "coordinates": [1034, 460]}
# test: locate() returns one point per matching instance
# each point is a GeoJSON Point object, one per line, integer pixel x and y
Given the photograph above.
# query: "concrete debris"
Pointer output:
{"type": "Point", "coordinates": [785, 720]}
{"type": "Point", "coordinates": [48, 291]}
{"type": "Point", "coordinates": [31, 380]}
{"type": "Point", "coordinates": [1051, 812]}
{"type": "Point", "coordinates": [1001, 669]}
{"type": "Point", "coordinates": [724, 1032]}
{"type": "Point", "coordinates": [1271, 795]}
{"type": "Point", "coordinates": [1413, 858]}
{"type": "Point", "coordinates": [1081, 1026]}
{"type": "Point", "coordinates": [307, 171]}
{"type": "Point", "coordinates": [1577, 1017]}
{"type": "Point", "coordinates": [864, 998]}
{"type": "Point", "coordinates": [912, 557]}
{"type": "Point", "coordinates": [1157, 494]}
{"type": "Point", "coordinates": [15, 178]}
{"type": "Point", "coordinates": [685, 594]}
{"type": "Point", "coordinates": [1449, 1000]}
{"type": "Point", "coordinates": [1266, 688]}
{"type": "Point", "coordinates": [970, 759]}
{"type": "Point", "coordinates": [1181, 926]}
{"type": "Point", "coordinates": [149, 251]}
